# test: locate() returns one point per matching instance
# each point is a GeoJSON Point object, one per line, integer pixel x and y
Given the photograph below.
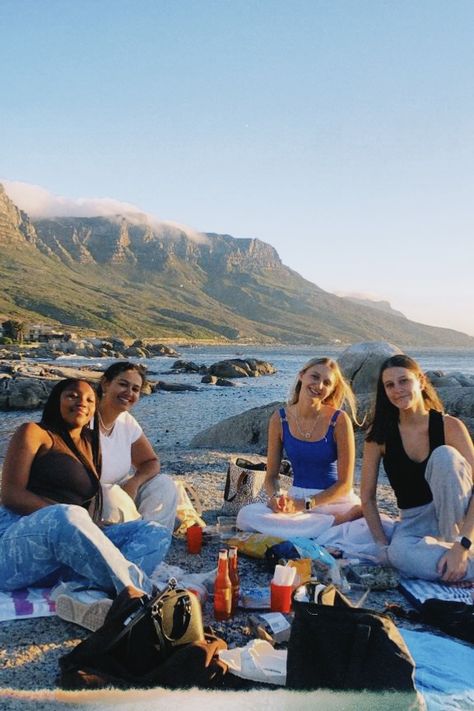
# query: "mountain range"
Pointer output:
{"type": "Point", "coordinates": [125, 275]}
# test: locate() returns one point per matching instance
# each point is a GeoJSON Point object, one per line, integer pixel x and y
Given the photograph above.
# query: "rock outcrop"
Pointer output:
{"type": "Point", "coordinates": [246, 432]}
{"type": "Point", "coordinates": [360, 363]}
{"type": "Point", "coordinates": [225, 369]}
{"type": "Point", "coordinates": [88, 348]}
{"type": "Point", "coordinates": [241, 368]}
{"type": "Point", "coordinates": [27, 387]}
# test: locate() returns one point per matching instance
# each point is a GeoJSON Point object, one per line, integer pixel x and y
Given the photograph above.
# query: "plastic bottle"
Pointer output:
{"type": "Point", "coordinates": [234, 578]}
{"type": "Point", "coordinates": [222, 589]}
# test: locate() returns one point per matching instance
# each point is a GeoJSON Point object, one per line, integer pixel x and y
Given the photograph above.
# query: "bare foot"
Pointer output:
{"type": "Point", "coordinates": [354, 513]}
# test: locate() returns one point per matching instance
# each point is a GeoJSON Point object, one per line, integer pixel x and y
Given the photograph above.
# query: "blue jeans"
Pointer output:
{"type": "Point", "coordinates": [63, 540]}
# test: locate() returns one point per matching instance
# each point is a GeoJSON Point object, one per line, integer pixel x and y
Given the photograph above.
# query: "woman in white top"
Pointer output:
{"type": "Point", "coordinates": [131, 480]}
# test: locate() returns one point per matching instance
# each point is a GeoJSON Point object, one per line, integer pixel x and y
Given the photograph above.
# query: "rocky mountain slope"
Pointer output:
{"type": "Point", "coordinates": [123, 275]}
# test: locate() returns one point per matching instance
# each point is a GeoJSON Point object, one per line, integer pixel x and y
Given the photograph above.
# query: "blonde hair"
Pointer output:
{"type": "Point", "coordinates": [340, 396]}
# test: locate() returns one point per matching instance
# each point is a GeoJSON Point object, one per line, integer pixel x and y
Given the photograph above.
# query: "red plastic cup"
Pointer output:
{"type": "Point", "coordinates": [194, 538]}
{"type": "Point", "coordinates": [280, 597]}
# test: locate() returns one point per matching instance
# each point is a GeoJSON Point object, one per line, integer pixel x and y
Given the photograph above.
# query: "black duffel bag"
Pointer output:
{"type": "Point", "coordinates": [338, 646]}
{"type": "Point", "coordinates": [146, 642]}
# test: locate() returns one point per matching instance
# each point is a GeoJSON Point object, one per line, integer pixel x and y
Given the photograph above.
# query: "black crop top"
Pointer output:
{"type": "Point", "coordinates": [406, 476]}
{"type": "Point", "coordinates": [59, 475]}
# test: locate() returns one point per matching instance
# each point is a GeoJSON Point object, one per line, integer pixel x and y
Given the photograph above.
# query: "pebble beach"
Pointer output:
{"type": "Point", "coordinates": [30, 649]}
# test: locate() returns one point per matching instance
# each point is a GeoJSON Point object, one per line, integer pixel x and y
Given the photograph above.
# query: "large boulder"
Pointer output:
{"type": "Point", "coordinates": [360, 363]}
{"type": "Point", "coordinates": [28, 385]}
{"type": "Point", "coordinates": [246, 432]}
{"type": "Point", "coordinates": [18, 393]}
{"type": "Point", "coordinates": [188, 366]}
{"type": "Point", "coordinates": [459, 401]}
{"type": "Point", "coordinates": [454, 379]}
{"type": "Point", "coordinates": [241, 368]}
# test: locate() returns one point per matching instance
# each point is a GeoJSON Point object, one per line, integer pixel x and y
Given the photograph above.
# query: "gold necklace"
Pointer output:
{"type": "Point", "coordinates": [107, 430]}
{"type": "Point", "coordinates": [306, 435]}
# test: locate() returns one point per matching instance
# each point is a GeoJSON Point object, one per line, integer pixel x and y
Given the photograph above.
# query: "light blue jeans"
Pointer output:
{"type": "Point", "coordinates": [62, 541]}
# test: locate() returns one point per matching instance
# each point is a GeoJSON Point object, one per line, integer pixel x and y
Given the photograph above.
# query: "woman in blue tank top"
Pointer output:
{"type": "Point", "coordinates": [317, 437]}
{"type": "Point", "coordinates": [428, 457]}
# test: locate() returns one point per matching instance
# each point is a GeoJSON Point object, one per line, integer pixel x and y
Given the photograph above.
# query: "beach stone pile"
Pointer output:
{"type": "Point", "coordinates": [26, 386]}
{"type": "Point", "coordinates": [220, 373]}
{"type": "Point", "coordinates": [89, 348]}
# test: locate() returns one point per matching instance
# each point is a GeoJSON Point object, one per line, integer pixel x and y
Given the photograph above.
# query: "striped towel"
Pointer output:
{"type": "Point", "coordinates": [29, 602]}
{"type": "Point", "coordinates": [417, 591]}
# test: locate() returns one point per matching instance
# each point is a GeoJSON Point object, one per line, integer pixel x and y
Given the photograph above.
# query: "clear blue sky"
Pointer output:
{"type": "Point", "coordinates": [341, 132]}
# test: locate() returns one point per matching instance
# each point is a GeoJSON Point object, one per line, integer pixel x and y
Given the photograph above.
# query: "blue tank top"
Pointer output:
{"type": "Point", "coordinates": [314, 463]}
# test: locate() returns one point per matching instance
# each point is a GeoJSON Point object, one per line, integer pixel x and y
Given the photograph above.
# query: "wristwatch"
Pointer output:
{"type": "Point", "coordinates": [308, 503]}
{"type": "Point", "coordinates": [465, 542]}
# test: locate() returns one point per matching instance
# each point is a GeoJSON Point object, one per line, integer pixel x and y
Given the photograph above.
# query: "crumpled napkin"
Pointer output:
{"type": "Point", "coordinates": [257, 661]}
{"type": "Point", "coordinates": [199, 582]}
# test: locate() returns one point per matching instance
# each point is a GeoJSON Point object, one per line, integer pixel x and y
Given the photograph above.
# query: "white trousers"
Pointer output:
{"type": "Point", "coordinates": [309, 524]}
{"type": "Point", "coordinates": [156, 501]}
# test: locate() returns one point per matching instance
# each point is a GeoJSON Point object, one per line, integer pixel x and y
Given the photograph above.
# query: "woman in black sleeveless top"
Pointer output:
{"type": "Point", "coordinates": [428, 458]}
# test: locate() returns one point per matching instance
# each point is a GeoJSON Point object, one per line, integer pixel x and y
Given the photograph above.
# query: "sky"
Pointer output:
{"type": "Point", "coordinates": [339, 131]}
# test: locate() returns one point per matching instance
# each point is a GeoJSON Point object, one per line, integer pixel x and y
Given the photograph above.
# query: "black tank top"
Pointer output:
{"type": "Point", "coordinates": [59, 475]}
{"type": "Point", "coordinates": [406, 476]}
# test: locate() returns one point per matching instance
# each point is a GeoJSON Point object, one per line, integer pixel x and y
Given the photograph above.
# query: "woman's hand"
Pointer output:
{"type": "Point", "coordinates": [452, 565]}
{"type": "Point", "coordinates": [282, 503]}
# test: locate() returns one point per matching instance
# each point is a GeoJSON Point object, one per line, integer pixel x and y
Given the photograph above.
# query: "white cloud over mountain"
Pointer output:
{"type": "Point", "coordinates": [39, 203]}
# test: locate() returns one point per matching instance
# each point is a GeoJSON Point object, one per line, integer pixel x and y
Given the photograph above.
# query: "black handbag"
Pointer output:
{"type": "Point", "coordinates": [338, 646]}
{"type": "Point", "coordinates": [139, 634]}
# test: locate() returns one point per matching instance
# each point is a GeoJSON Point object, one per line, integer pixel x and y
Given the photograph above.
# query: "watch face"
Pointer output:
{"type": "Point", "coordinates": [465, 542]}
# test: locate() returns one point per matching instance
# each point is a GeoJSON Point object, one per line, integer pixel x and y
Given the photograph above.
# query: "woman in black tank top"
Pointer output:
{"type": "Point", "coordinates": [50, 524]}
{"type": "Point", "coordinates": [428, 458]}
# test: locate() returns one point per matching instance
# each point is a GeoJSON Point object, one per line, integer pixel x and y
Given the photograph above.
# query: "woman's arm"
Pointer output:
{"type": "Point", "coordinates": [452, 565]}
{"type": "Point", "coordinates": [146, 464]}
{"type": "Point", "coordinates": [274, 454]}
{"type": "Point", "coordinates": [23, 448]}
{"type": "Point", "coordinates": [368, 491]}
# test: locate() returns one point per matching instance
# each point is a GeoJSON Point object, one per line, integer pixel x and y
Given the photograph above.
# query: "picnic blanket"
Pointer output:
{"type": "Point", "coordinates": [29, 602]}
{"type": "Point", "coordinates": [444, 670]}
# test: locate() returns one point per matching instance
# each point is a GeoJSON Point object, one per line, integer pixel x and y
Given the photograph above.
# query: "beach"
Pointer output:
{"type": "Point", "coordinates": [30, 649]}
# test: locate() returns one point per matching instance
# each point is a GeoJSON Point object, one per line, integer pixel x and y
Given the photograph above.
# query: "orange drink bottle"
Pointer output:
{"type": "Point", "coordinates": [234, 578]}
{"type": "Point", "coordinates": [222, 589]}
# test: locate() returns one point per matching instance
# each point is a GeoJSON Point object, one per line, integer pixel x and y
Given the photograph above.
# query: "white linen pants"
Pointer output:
{"type": "Point", "coordinates": [156, 501]}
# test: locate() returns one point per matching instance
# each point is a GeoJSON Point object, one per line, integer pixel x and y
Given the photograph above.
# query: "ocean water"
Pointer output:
{"type": "Point", "coordinates": [171, 419]}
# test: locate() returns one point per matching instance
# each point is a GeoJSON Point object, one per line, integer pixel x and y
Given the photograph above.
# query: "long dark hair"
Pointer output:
{"type": "Point", "coordinates": [386, 415]}
{"type": "Point", "coordinates": [52, 419]}
{"type": "Point", "coordinates": [122, 366]}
